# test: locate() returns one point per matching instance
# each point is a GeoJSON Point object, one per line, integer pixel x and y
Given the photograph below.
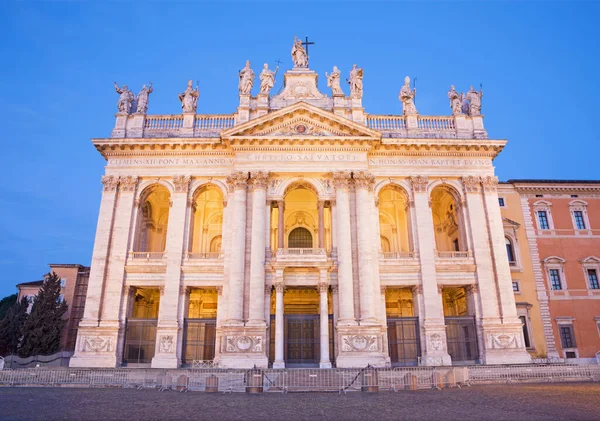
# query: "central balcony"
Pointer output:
{"type": "Point", "coordinates": [301, 256]}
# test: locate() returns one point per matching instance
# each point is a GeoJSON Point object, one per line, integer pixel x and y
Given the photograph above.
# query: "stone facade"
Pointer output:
{"type": "Point", "coordinates": [300, 178]}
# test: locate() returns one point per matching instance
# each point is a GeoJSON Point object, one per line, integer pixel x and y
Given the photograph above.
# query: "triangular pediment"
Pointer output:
{"type": "Point", "coordinates": [510, 223]}
{"type": "Point", "coordinates": [300, 121]}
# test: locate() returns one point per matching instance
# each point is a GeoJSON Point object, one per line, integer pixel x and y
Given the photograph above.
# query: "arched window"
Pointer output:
{"type": "Point", "coordinates": [510, 250]}
{"type": "Point", "coordinates": [385, 245]}
{"type": "Point", "coordinates": [215, 244]}
{"type": "Point", "coordinates": [300, 238]}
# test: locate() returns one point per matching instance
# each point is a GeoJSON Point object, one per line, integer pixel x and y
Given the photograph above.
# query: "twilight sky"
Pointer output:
{"type": "Point", "coordinates": [538, 63]}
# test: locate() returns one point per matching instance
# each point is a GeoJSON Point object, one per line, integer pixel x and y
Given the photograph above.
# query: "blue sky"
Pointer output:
{"type": "Point", "coordinates": [538, 63]}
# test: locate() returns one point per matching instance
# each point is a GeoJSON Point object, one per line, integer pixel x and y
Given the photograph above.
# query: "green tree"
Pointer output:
{"type": "Point", "coordinates": [6, 303]}
{"type": "Point", "coordinates": [41, 330]}
{"type": "Point", "coordinates": [11, 327]}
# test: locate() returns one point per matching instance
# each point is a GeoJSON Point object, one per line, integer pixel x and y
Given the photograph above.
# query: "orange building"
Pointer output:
{"type": "Point", "coordinates": [562, 224]}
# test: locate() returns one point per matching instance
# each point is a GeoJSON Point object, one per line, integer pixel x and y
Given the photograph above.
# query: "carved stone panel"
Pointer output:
{"type": "Point", "coordinates": [243, 344]}
{"type": "Point", "coordinates": [435, 342]}
{"type": "Point", "coordinates": [96, 344]}
{"type": "Point", "coordinates": [503, 340]}
{"type": "Point", "coordinates": [165, 344]}
{"type": "Point", "coordinates": [359, 343]}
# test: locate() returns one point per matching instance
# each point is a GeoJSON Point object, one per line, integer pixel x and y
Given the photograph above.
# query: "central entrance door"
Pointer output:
{"type": "Point", "coordinates": [301, 345]}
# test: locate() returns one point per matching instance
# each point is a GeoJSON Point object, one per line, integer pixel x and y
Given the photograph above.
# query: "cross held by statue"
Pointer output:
{"type": "Point", "coordinates": [306, 43]}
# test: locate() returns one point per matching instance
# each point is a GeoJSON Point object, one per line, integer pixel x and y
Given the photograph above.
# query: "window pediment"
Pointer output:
{"type": "Point", "coordinates": [554, 260]}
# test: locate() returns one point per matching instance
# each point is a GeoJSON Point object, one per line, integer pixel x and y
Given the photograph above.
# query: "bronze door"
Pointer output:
{"type": "Point", "coordinates": [301, 339]}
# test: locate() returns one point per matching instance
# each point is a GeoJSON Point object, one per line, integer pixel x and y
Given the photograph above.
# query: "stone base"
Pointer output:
{"type": "Point", "coordinates": [96, 348]}
{"type": "Point", "coordinates": [325, 365]}
{"type": "Point", "coordinates": [242, 347]}
{"type": "Point", "coordinates": [504, 345]}
{"type": "Point", "coordinates": [242, 361]}
{"type": "Point", "coordinates": [360, 346]}
{"type": "Point", "coordinates": [165, 361]}
{"type": "Point", "coordinates": [513, 356]}
{"type": "Point", "coordinates": [278, 364]}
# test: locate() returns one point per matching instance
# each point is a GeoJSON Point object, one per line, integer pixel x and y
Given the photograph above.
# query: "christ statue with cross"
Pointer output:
{"type": "Point", "coordinates": [299, 54]}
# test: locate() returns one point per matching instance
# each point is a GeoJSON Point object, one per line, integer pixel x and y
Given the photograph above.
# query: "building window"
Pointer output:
{"type": "Point", "coordinates": [300, 238]}
{"type": "Point", "coordinates": [543, 218]}
{"type": "Point", "coordinates": [63, 282]}
{"type": "Point", "coordinates": [555, 279]}
{"type": "Point", "coordinates": [525, 331]}
{"type": "Point", "coordinates": [579, 222]}
{"type": "Point", "coordinates": [510, 251]}
{"type": "Point", "coordinates": [579, 214]}
{"type": "Point", "coordinates": [593, 279]}
{"type": "Point", "coordinates": [567, 338]}
{"type": "Point", "coordinates": [501, 202]}
{"type": "Point", "coordinates": [516, 286]}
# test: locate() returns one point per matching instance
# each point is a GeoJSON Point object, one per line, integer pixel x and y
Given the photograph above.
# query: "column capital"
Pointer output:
{"type": "Point", "coordinates": [490, 183]}
{"type": "Point", "coordinates": [341, 180]}
{"type": "Point", "coordinates": [259, 179]}
{"type": "Point", "coordinates": [471, 183]}
{"type": "Point", "coordinates": [364, 180]}
{"type": "Point", "coordinates": [417, 289]}
{"type": "Point", "coordinates": [382, 289]}
{"type": "Point", "coordinates": [128, 183]}
{"type": "Point", "coordinates": [321, 204]}
{"type": "Point", "coordinates": [334, 289]}
{"type": "Point", "coordinates": [279, 287]}
{"type": "Point", "coordinates": [219, 289]}
{"type": "Point", "coordinates": [268, 289]}
{"type": "Point", "coordinates": [419, 183]}
{"type": "Point", "coordinates": [237, 180]}
{"type": "Point", "coordinates": [181, 183]}
{"type": "Point", "coordinates": [110, 182]}
{"type": "Point", "coordinates": [323, 286]}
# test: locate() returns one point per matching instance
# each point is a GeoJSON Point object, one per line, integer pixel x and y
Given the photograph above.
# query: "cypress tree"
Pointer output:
{"type": "Point", "coordinates": [11, 327]}
{"type": "Point", "coordinates": [6, 303]}
{"type": "Point", "coordinates": [41, 330]}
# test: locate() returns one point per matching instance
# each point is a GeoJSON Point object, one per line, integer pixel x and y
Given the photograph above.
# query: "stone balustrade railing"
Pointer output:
{"type": "Point", "coordinates": [211, 255]}
{"type": "Point", "coordinates": [146, 255]}
{"type": "Point", "coordinates": [163, 122]}
{"type": "Point", "coordinates": [399, 255]}
{"type": "Point", "coordinates": [454, 254]}
{"type": "Point", "coordinates": [386, 123]}
{"type": "Point", "coordinates": [214, 121]}
{"type": "Point", "coordinates": [435, 124]}
{"type": "Point", "coordinates": [300, 251]}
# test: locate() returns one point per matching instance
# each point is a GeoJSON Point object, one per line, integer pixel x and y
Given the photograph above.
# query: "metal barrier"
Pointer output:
{"type": "Point", "coordinates": [368, 379]}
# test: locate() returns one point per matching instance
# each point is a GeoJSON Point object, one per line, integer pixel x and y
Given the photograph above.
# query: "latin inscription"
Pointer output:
{"type": "Point", "coordinates": [429, 162]}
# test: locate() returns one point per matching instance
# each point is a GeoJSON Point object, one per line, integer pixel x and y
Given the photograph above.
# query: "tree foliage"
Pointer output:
{"type": "Point", "coordinates": [6, 303]}
{"type": "Point", "coordinates": [11, 327]}
{"type": "Point", "coordinates": [42, 329]}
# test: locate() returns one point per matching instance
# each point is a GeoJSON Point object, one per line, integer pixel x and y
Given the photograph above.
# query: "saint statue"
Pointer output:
{"type": "Point", "coordinates": [126, 99]}
{"type": "Point", "coordinates": [189, 98]}
{"type": "Point", "coordinates": [299, 56]}
{"type": "Point", "coordinates": [407, 97]}
{"type": "Point", "coordinates": [142, 99]}
{"type": "Point", "coordinates": [456, 100]}
{"type": "Point", "coordinates": [474, 99]}
{"type": "Point", "coordinates": [356, 83]}
{"type": "Point", "coordinates": [267, 79]}
{"type": "Point", "coordinates": [333, 81]}
{"type": "Point", "coordinates": [246, 79]}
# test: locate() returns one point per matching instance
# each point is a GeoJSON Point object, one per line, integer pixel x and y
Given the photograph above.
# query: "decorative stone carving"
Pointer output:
{"type": "Point", "coordinates": [126, 99]}
{"type": "Point", "coordinates": [267, 79]}
{"type": "Point", "coordinates": [503, 340]}
{"type": "Point", "coordinates": [166, 344]}
{"type": "Point", "coordinates": [474, 99]}
{"type": "Point", "coordinates": [364, 180]}
{"type": "Point", "coordinates": [333, 81]}
{"type": "Point", "coordinates": [299, 56]}
{"type": "Point", "coordinates": [181, 183]}
{"type": "Point", "coordinates": [96, 344]}
{"type": "Point", "coordinates": [435, 342]}
{"type": "Point", "coordinates": [128, 183]}
{"type": "Point", "coordinates": [359, 343]}
{"type": "Point", "coordinates": [142, 99]}
{"type": "Point", "coordinates": [407, 97]}
{"type": "Point", "coordinates": [243, 343]}
{"type": "Point", "coordinates": [259, 179]}
{"type": "Point", "coordinates": [471, 184]}
{"type": "Point", "coordinates": [456, 101]}
{"type": "Point", "coordinates": [110, 182]}
{"type": "Point", "coordinates": [189, 98]}
{"type": "Point", "coordinates": [356, 82]}
{"type": "Point", "coordinates": [341, 179]}
{"type": "Point", "coordinates": [490, 183]}
{"type": "Point", "coordinates": [419, 183]}
{"type": "Point", "coordinates": [246, 82]}
{"type": "Point", "coordinates": [323, 286]}
{"type": "Point", "coordinates": [237, 180]}
{"type": "Point", "coordinates": [279, 287]}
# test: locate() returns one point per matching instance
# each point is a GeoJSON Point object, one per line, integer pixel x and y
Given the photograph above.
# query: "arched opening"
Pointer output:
{"type": "Point", "coordinates": [403, 327]}
{"type": "Point", "coordinates": [394, 220]}
{"type": "Point", "coordinates": [206, 225]}
{"type": "Point", "coordinates": [154, 219]}
{"type": "Point", "coordinates": [300, 238]}
{"type": "Point", "coordinates": [459, 316]}
{"type": "Point", "coordinates": [447, 220]}
{"type": "Point", "coordinates": [200, 326]}
{"type": "Point", "coordinates": [510, 251]}
{"type": "Point", "coordinates": [140, 334]}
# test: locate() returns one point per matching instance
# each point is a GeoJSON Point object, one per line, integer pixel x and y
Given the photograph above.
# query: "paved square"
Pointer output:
{"type": "Point", "coordinates": [573, 401]}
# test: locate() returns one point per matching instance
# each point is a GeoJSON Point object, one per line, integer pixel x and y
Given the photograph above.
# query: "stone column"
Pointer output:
{"type": "Point", "coordinates": [325, 361]}
{"type": "Point", "coordinates": [184, 301]}
{"type": "Point", "coordinates": [341, 181]}
{"type": "Point", "coordinates": [432, 322]}
{"type": "Point", "coordinates": [279, 288]}
{"type": "Point", "coordinates": [364, 182]}
{"type": "Point", "coordinates": [256, 316]}
{"type": "Point", "coordinates": [280, 224]}
{"type": "Point", "coordinates": [321, 210]}
{"type": "Point", "coordinates": [237, 182]}
{"type": "Point", "coordinates": [168, 327]}
{"type": "Point", "coordinates": [221, 306]}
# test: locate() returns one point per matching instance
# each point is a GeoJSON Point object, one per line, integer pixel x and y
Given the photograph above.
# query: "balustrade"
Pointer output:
{"type": "Point", "coordinates": [214, 121]}
{"type": "Point", "coordinates": [436, 123]}
{"type": "Point", "coordinates": [211, 255]}
{"type": "Point", "coordinates": [399, 255]}
{"type": "Point", "coordinates": [386, 122]}
{"type": "Point", "coordinates": [301, 251]}
{"type": "Point", "coordinates": [454, 254]}
{"type": "Point", "coordinates": [163, 122]}
{"type": "Point", "coordinates": [147, 255]}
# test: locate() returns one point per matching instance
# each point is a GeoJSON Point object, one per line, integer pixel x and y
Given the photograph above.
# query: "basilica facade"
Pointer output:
{"type": "Point", "coordinates": [299, 231]}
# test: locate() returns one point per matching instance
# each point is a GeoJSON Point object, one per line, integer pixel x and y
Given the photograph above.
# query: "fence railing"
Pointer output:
{"type": "Point", "coordinates": [211, 255]}
{"type": "Point", "coordinates": [453, 254]}
{"type": "Point", "coordinates": [398, 255]}
{"type": "Point", "coordinates": [301, 251]}
{"type": "Point", "coordinates": [147, 255]}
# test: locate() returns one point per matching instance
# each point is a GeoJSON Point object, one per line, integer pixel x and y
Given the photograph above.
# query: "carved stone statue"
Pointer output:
{"type": "Point", "coordinates": [189, 98]}
{"type": "Point", "coordinates": [142, 99]}
{"type": "Point", "coordinates": [333, 81]}
{"type": "Point", "coordinates": [456, 101]}
{"type": "Point", "coordinates": [126, 99]}
{"type": "Point", "coordinates": [246, 79]}
{"type": "Point", "coordinates": [474, 99]}
{"type": "Point", "coordinates": [356, 82]}
{"type": "Point", "coordinates": [267, 79]}
{"type": "Point", "coordinates": [407, 97]}
{"type": "Point", "coordinates": [299, 56]}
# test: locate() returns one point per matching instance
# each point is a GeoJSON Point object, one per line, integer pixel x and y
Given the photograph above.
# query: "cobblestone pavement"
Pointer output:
{"type": "Point", "coordinates": [571, 401]}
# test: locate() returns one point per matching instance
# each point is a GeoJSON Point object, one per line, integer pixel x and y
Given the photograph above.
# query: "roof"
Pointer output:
{"type": "Point", "coordinates": [545, 181]}
{"type": "Point", "coordinates": [67, 265]}
{"type": "Point", "coordinates": [31, 284]}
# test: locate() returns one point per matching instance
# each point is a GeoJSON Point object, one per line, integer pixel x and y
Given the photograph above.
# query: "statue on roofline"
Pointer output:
{"type": "Point", "coordinates": [142, 99]}
{"type": "Point", "coordinates": [299, 56]}
{"type": "Point", "coordinates": [267, 79]}
{"type": "Point", "coordinates": [246, 82]}
{"type": "Point", "coordinates": [189, 98]}
{"type": "Point", "coordinates": [407, 97]}
{"type": "Point", "coordinates": [126, 99]}
{"type": "Point", "coordinates": [456, 101]}
{"type": "Point", "coordinates": [474, 99]}
{"type": "Point", "coordinates": [356, 82]}
{"type": "Point", "coordinates": [333, 81]}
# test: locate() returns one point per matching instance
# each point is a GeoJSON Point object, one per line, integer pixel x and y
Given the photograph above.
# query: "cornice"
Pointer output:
{"type": "Point", "coordinates": [556, 188]}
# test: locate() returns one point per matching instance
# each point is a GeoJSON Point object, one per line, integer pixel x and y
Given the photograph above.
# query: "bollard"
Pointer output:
{"type": "Point", "coordinates": [438, 380]}
{"type": "Point", "coordinates": [410, 382]}
{"type": "Point", "coordinates": [212, 384]}
{"type": "Point", "coordinates": [370, 380]}
{"type": "Point", "coordinates": [254, 381]}
{"type": "Point", "coordinates": [182, 383]}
